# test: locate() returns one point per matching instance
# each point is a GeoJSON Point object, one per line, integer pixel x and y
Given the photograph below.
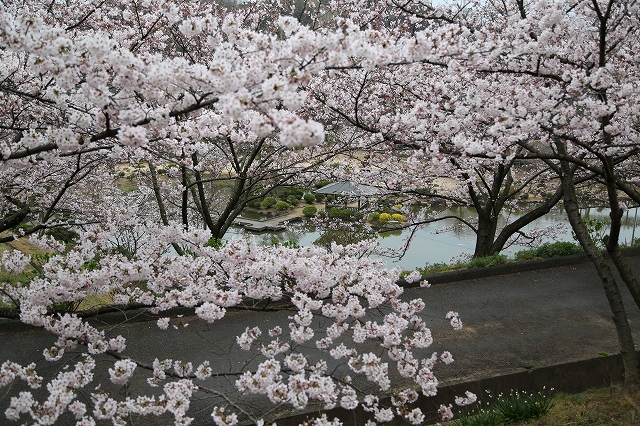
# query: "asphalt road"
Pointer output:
{"type": "Point", "coordinates": [512, 322]}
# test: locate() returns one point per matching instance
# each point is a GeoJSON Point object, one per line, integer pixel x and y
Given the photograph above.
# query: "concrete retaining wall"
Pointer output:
{"type": "Point", "coordinates": [571, 377]}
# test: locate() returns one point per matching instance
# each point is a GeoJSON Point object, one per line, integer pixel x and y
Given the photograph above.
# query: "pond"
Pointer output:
{"type": "Point", "coordinates": [431, 244]}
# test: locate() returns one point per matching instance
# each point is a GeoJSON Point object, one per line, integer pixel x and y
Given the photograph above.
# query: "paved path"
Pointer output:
{"type": "Point", "coordinates": [512, 322]}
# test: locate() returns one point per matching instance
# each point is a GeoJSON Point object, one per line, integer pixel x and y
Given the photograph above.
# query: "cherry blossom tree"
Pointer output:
{"type": "Point", "coordinates": [89, 84]}
{"type": "Point", "coordinates": [568, 95]}
{"type": "Point", "coordinates": [416, 109]}
{"type": "Point", "coordinates": [554, 82]}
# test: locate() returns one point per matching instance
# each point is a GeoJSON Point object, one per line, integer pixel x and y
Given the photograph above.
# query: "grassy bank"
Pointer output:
{"type": "Point", "coordinates": [545, 251]}
{"type": "Point", "coordinates": [608, 406]}
{"type": "Point", "coordinates": [613, 406]}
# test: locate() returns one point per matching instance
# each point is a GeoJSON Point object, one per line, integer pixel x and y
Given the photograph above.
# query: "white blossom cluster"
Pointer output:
{"type": "Point", "coordinates": [90, 84]}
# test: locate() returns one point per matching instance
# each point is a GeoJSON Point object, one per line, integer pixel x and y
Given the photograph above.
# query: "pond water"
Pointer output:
{"type": "Point", "coordinates": [431, 244]}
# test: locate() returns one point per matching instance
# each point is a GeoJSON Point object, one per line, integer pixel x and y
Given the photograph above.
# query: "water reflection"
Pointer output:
{"type": "Point", "coordinates": [428, 245]}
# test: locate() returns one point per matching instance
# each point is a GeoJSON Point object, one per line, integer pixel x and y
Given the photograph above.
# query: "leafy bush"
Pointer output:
{"type": "Point", "coordinates": [282, 205]}
{"type": "Point", "coordinates": [346, 214]}
{"type": "Point", "coordinates": [255, 204]}
{"type": "Point", "coordinates": [483, 262]}
{"type": "Point", "coordinates": [214, 242]}
{"type": "Point", "coordinates": [319, 197]}
{"type": "Point", "coordinates": [322, 214]}
{"type": "Point", "coordinates": [436, 268]}
{"type": "Point", "coordinates": [309, 198]}
{"type": "Point", "coordinates": [358, 215]}
{"type": "Point", "coordinates": [297, 192]}
{"type": "Point", "coordinates": [398, 217]}
{"type": "Point", "coordinates": [291, 244]}
{"type": "Point", "coordinates": [268, 202]}
{"type": "Point", "coordinates": [597, 230]}
{"type": "Point", "coordinates": [338, 213]}
{"type": "Point", "coordinates": [384, 217]}
{"type": "Point", "coordinates": [322, 183]}
{"type": "Point", "coordinates": [559, 248]}
{"type": "Point", "coordinates": [334, 212]}
{"type": "Point", "coordinates": [374, 217]}
{"type": "Point", "coordinates": [293, 200]}
{"type": "Point", "coordinates": [309, 211]}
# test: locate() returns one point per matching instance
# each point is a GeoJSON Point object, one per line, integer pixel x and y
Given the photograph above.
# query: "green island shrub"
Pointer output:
{"type": "Point", "coordinates": [297, 192]}
{"type": "Point", "coordinates": [309, 211]}
{"type": "Point", "coordinates": [268, 202]}
{"type": "Point", "coordinates": [338, 213]}
{"type": "Point", "coordinates": [398, 217]}
{"type": "Point", "coordinates": [334, 212]}
{"type": "Point", "coordinates": [374, 217]}
{"type": "Point", "coordinates": [358, 215]}
{"type": "Point", "coordinates": [384, 217]}
{"type": "Point", "coordinates": [309, 198]}
{"type": "Point", "coordinates": [293, 200]}
{"type": "Point", "coordinates": [282, 205]}
{"type": "Point", "coordinates": [255, 204]}
{"type": "Point", "coordinates": [346, 214]}
{"type": "Point", "coordinates": [319, 197]}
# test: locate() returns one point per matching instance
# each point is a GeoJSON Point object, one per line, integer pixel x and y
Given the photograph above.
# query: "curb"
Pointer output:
{"type": "Point", "coordinates": [512, 268]}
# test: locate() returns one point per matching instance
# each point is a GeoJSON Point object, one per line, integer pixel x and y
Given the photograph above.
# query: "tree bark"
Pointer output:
{"type": "Point", "coordinates": [612, 241]}
{"type": "Point", "coordinates": [630, 358]}
{"type": "Point", "coordinates": [161, 207]}
{"type": "Point", "coordinates": [487, 226]}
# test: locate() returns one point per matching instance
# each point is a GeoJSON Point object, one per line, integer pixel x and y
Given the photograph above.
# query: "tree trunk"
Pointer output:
{"type": "Point", "coordinates": [161, 207]}
{"type": "Point", "coordinates": [522, 221]}
{"type": "Point", "coordinates": [630, 358]}
{"type": "Point", "coordinates": [185, 197]}
{"type": "Point", "coordinates": [487, 225]}
{"type": "Point", "coordinates": [612, 240]}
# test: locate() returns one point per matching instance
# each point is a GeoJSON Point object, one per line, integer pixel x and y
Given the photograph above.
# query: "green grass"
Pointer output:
{"type": "Point", "coordinates": [476, 262]}
{"type": "Point", "coordinates": [39, 257]}
{"type": "Point", "coordinates": [504, 410]}
{"type": "Point", "coordinates": [559, 248]}
{"type": "Point", "coordinates": [613, 406]}
{"type": "Point", "coordinates": [607, 406]}
{"type": "Point", "coordinates": [545, 251]}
